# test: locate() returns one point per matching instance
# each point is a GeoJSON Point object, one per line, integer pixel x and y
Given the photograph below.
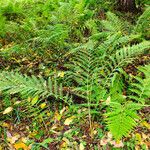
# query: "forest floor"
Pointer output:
{"type": "Point", "coordinates": [86, 56]}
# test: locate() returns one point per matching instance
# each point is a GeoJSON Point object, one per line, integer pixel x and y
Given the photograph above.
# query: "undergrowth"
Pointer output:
{"type": "Point", "coordinates": [82, 49]}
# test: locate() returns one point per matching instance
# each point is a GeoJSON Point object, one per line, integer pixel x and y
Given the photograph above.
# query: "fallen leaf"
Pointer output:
{"type": "Point", "coordinates": [17, 102]}
{"type": "Point", "coordinates": [61, 74]}
{"type": "Point", "coordinates": [109, 135]}
{"type": "Point", "coordinates": [34, 100]}
{"type": "Point", "coordinates": [43, 105]}
{"type": "Point", "coordinates": [12, 139]}
{"type": "Point", "coordinates": [103, 141]}
{"type": "Point", "coordinates": [144, 136]}
{"type": "Point", "coordinates": [108, 101]}
{"type": "Point", "coordinates": [7, 110]}
{"type": "Point", "coordinates": [147, 125]}
{"type": "Point", "coordinates": [29, 99]}
{"type": "Point", "coordinates": [24, 139]}
{"type": "Point", "coordinates": [64, 144]}
{"type": "Point", "coordinates": [48, 114]}
{"type": "Point", "coordinates": [137, 147]}
{"type": "Point", "coordinates": [21, 145]}
{"type": "Point", "coordinates": [6, 125]}
{"type": "Point", "coordinates": [66, 140]}
{"type": "Point", "coordinates": [33, 134]}
{"type": "Point", "coordinates": [69, 120]}
{"type": "Point", "coordinates": [117, 144]}
{"type": "Point", "coordinates": [81, 146]}
{"type": "Point", "coordinates": [57, 116]}
{"type": "Point", "coordinates": [138, 137]}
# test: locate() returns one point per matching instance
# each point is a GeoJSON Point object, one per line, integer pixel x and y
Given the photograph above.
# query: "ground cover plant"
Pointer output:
{"type": "Point", "coordinates": [74, 74]}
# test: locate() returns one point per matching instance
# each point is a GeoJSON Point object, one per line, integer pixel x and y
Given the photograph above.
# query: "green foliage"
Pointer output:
{"type": "Point", "coordinates": [143, 25]}
{"type": "Point", "coordinates": [121, 118]}
{"type": "Point", "coordinates": [141, 89]}
{"type": "Point", "coordinates": [2, 25]}
{"type": "Point", "coordinates": [13, 83]}
{"type": "Point", "coordinates": [92, 46]}
{"type": "Point", "coordinates": [113, 23]}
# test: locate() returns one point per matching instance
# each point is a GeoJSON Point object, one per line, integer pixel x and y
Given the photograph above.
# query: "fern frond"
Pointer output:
{"type": "Point", "coordinates": [121, 119]}
{"type": "Point", "coordinates": [13, 82]}
{"type": "Point", "coordinates": [83, 70]}
{"type": "Point", "coordinates": [123, 56]}
{"type": "Point", "coordinates": [143, 23]}
{"type": "Point", "coordinates": [114, 24]}
{"type": "Point", "coordinates": [141, 89]}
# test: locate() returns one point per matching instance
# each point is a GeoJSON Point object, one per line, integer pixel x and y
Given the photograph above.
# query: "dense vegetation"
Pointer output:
{"type": "Point", "coordinates": [74, 74]}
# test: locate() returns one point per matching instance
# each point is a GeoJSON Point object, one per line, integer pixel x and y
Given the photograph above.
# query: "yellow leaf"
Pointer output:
{"type": "Point", "coordinates": [1, 147]}
{"type": "Point", "coordinates": [33, 134]}
{"type": "Point", "coordinates": [24, 139]}
{"type": "Point", "coordinates": [138, 138]}
{"type": "Point", "coordinates": [147, 125]}
{"type": "Point", "coordinates": [21, 145]}
{"type": "Point", "coordinates": [61, 74]}
{"type": "Point", "coordinates": [108, 101]}
{"type": "Point", "coordinates": [48, 114]}
{"type": "Point", "coordinates": [69, 120]}
{"type": "Point", "coordinates": [43, 105]}
{"type": "Point", "coordinates": [17, 102]}
{"type": "Point", "coordinates": [34, 100]}
{"type": "Point", "coordinates": [7, 110]}
{"type": "Point", "coordinates": [57, 116]}
{"type": "Point", "coordinates": [81, 146]}
{"type": "Point", "coordinates": [5, 125]}
{"type": "Point", "coordinates": [66, 140]}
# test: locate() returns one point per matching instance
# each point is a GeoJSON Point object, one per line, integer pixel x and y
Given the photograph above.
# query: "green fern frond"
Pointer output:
{"type": "Point", "coordinates": [143, 23]}
{"type": "Point", "coordinates": [141, 89]}
{"type": "Point", "coordinates": [123, 56]}
{"type": "Point", "coordinates": [114, 24]}
{"type": "Point", "coordinates": [51, 34]}
{"type": "Point", "coordinates": [13, 82]}
{"type": "Point", "coordinates": [121, 119]}
{"type": "Point", "coordinates": [83, 69]}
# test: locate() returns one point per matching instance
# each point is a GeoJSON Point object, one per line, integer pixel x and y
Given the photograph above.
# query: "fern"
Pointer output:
{"type": "Point", "coordinates": [94, 67]}
{"type": "Point", "coordinates": [93, 73]}
{"type": "Point", "coordinates": [82, 69]}
{"type": "Point", "coordinates": [13, 82]}
{"type": "Point", "coordinates": [121, 119]}
{"type": "Point", "coordinates": [114, 24]}
{"type": "Point", "coordinates": [141, 89]}
{"type": "Point", "coordinates": [143, 23]}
